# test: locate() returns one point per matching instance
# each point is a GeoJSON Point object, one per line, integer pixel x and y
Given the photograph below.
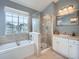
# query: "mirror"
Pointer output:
{"type": "Point", "coordinates": [70, 19]}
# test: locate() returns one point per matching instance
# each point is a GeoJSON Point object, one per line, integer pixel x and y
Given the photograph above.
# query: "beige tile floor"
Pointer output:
{"type": "Point", "coordinates": [47, 55]}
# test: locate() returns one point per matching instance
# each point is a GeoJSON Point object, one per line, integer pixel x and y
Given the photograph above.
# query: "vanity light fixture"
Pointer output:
{"type": "Point", "coordinates": [67, 10]}
{"type": "Point", "coordinates": [60, 12]}
{"type": "Point", "coordinates": [71, 9]}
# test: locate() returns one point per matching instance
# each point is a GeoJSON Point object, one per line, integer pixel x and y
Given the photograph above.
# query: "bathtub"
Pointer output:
{"type": "Point", "coordinates": [13, 51]}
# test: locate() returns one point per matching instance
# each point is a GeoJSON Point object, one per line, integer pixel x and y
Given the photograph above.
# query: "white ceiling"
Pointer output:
{"type": "Point", "coordinates": [38, 5]}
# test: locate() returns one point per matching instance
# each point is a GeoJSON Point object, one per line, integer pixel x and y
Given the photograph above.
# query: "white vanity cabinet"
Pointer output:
{"type": "Point", "coordinates": [63, 46]}
{"type": "Point", "coordinates": [60, 45]}
{"type": "Point", "coordinates": [73, 51]}
{"type": "Point", "coordinates": [66, 46]}
{"type": "Point", "coordinates": [55, 44]}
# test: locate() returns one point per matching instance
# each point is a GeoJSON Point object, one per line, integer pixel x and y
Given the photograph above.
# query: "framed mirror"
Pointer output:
{"type": "Point", "coordinates": [70, 19]}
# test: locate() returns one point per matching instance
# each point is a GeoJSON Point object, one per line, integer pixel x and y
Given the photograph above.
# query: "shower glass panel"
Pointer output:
{"type": "Point", "coordinates": [46, 34]}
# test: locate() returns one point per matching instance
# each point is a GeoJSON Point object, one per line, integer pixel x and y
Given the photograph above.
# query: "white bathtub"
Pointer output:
{"type": "Point", "coordinates": [12, 51]}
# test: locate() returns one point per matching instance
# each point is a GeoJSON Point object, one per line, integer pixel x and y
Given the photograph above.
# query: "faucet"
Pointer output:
{"type": "Point", "coordinates": [17, 42]}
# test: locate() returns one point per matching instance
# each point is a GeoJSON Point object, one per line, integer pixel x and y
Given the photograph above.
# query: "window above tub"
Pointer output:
{"type": "Point", "coordinates": [16, 21]}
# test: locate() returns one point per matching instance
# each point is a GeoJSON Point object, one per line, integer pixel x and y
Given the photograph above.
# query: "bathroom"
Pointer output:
{"type": "Point", "coordinates": [28, 29]}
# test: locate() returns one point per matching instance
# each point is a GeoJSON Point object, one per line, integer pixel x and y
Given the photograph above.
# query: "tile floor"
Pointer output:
{"type": "Point", "coordinates": [47, 55]}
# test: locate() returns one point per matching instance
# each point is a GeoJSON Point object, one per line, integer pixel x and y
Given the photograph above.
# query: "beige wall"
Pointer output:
{"type": "Point", "coordinates": [13, 38]}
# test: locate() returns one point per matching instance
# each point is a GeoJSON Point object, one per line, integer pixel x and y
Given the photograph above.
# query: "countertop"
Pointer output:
{"type": "Point", "coordinates": [68, 36]}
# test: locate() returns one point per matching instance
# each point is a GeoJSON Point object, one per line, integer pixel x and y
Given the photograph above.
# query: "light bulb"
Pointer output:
{"type": "Point", "coordinates": [71, 9]}
{"type": "Point", "coordinates": [65, 11]}
{"type": "Point", "coordinates": [60, 11]}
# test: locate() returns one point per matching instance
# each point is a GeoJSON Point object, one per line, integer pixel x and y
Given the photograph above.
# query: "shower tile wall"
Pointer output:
{"type": "Point", "coordinates": [47, 35]}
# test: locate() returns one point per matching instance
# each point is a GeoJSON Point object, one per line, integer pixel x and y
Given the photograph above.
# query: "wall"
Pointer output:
{"type": "Point", "coordinates": [47, 34]}
{"type": "Point", "coordinates": [68, 29]}
{"type": "Point", "coordinates": [10, 38]}
{"type": "Point", "coordinates": [51, 11]}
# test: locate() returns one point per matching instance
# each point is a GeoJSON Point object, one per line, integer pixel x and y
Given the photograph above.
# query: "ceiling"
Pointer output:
{"type": "Point", "coordinates": [38, 5]}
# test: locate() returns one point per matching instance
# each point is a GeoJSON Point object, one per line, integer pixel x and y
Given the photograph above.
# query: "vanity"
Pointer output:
{"type": "Point", "coordinates": [66, 45]}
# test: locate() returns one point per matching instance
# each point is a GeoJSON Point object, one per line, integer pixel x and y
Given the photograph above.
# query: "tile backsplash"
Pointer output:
{"type": "Point", "coordinates": [13, 38]}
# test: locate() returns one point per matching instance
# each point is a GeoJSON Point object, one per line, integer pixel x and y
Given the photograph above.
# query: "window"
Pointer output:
{"type": "Point", "coordinates": [16, 23]}
{"type": "Point", "coordinates": [36, 24]}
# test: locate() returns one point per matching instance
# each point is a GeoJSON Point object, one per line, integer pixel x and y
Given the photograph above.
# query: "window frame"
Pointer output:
{"type": "Point", "coordinates": [18, 23]}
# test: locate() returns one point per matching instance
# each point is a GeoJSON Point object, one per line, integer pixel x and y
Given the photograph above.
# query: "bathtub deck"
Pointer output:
{"type": "Point", "coordinates": [47, 55]}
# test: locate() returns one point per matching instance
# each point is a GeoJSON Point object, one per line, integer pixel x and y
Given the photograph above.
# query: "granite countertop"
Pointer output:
{"type": "Point", "coordinates": [68, 36]}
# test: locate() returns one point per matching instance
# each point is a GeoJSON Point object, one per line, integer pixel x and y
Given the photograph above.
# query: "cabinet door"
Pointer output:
{"type": "Point", "coordinates": [78, 49]}
{"type": "Point", "coordinates": [63, 46]}
{"type": "Point", "coordinates": [55, 44]}
{"type": "Point", "coordinates": [73, 49]}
